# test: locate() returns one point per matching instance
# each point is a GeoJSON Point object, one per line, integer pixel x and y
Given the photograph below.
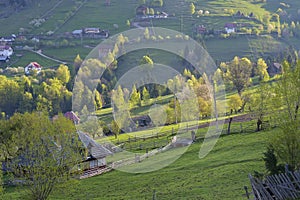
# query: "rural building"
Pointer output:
{"type": "Point", "coordinates": [33, 66]}
{"type": "Point", "coordinates": [230, 28]}
{"type": "Point", "coordinates": [72, 116]}
{"type": "Point", "coordinates": [5, 52]}
{"type": "Point", "coordinates": [141, 10]}
{"type": "Point", "coordinates": [96, 153]}
{"type": "Point", "coordinates": [275, 68]}
{"type": "Point", "coordinates": [92, 32]}
{"type": "Point", "coordinates": [8, 39]}
{"type": "Point", "coordinates": [201, 29]}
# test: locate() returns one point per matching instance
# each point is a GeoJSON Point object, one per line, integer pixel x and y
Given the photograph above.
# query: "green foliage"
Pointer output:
{"type": "Point", "coordinates": [146, 34]}
{"type": "Point", "coordinates": [115, 128]}
{"type": "Point", "coordinates": [145, 95]}
{"type": "Point", "coordinates": [192, 8]}
{"type": "Point", "coordinates": [135, 97]}
{"type": "Point", "coordinates": [121, 108]}
{"type": "Point", "coordinates": [238, 71]}
{"type": "Point", "coordinates": [286, 112]}
{"type": "Point", "coordinates": [10, 95]}
{"type": "Point", "coordinates": [235, 102]}
{"type": "Point", "coordinates": [98, 100]}
{"type": "Point", "coordinates": [63, 74]}
{"type": "Point", "coordinates": [262, 70]}
{"type": "Point", "coordinates": [157, 3]}
{"type": "Point", "coordinates": [271, 162]}
{"type": "Point", "coordinates": [37, 149]}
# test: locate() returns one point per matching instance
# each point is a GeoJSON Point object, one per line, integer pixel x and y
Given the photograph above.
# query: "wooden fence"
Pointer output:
{"type": "Point", "coordinates": [282, 186]}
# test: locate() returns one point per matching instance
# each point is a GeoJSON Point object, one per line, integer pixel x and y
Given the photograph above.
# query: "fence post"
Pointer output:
{"type": "Point", "coordinates": [154, 195]}
{"type": "Point", "coordinates": [247, 193]}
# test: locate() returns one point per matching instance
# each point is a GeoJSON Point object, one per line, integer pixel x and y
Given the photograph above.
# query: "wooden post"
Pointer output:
{"type": "Point", "coordinates": [247, 193]}
{"type": "Point", "coordinates": [154, 195]}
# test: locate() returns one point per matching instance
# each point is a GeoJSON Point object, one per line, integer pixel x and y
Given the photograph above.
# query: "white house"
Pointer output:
{"type": "Point", "coordinates": [230, 28]}
{"type": "Point", "coordinates": [33, 66]}
{"type": "Point", "coordinates": [5, 53]}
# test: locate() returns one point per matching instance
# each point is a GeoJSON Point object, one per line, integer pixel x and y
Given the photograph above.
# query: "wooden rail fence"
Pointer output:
{"type": "Point", "coordinates": [280, 187]}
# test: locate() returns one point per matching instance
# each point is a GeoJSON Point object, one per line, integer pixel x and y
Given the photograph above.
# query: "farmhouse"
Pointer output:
{"type": "Point", "coordinates": [72, 116]}
{"type": "Point", "coordinates": [8, 39]}
{"type": "Point", "coordinates": [96, 153]}
{"type": "Point", "coordinates": [92, 32]}
{"type": "Point", "coordinates": [33, 66]}
{"type": "Point", "coordinates": [5, 53]}
{"type": "Point", "coordinates": [142, 10]}
{"type": "Point", "coordinates": [201, 29]}
{"type": "Point", "coordinates": [230, 28]}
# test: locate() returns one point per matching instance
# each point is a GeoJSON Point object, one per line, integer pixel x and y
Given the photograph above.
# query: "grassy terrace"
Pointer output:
{"type": "Point", "coordinates": [220, 175]}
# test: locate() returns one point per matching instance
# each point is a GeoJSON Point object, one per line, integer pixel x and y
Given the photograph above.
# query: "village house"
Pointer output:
{"type": "Point", "coordinates": [92, 32]}
{"type": "Point", "coordinates": [141, 10]}
{"type": "Point", "coordinates": [72, 116]}
{"type": "Point", "coordinates": [230, 28]}
{"type": "Point", "coordinates": [8, 39]}
{"type": "Point", "coordinates": [201, 29]}
{"type": "Point", "coordinates": [5, 53]}
{"type": "Point", "coordinates": [33, 66]}
{"type": "Point", "coordinates": [96, 153]}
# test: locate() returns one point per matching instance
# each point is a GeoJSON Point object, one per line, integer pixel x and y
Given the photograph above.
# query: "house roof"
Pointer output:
{"type": "Point", "coordinates": [230, 25]}
{"type": "Point", "coordinates": [34, 64]}
{"type": "Point", "coordinates": [72, 116]}
{"type": "Point", "coordinates": [95, 149]}
{"type": "Point", "coordinates": [6, 47]}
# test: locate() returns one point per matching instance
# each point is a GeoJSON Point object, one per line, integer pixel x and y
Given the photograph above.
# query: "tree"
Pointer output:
{"type": "Point", "coordinates": [151, 11]}
{"type": "Point", "coordinates": [120, 108]}
{"type": "Point", "coordinates": [115, 128]}
{"type": "Point", "coordinates": [128, 22]}
{"type": "Point", "coordinates": [135, 97]}
{"type": "Point", "coordinates": [238, 71]}
{"type": "Point", "coordinates": [146, 34]}
{"type": "Point", "coordinates": [145, 95]}
{"type": "Point", "coordinates": [262, 70]}
{"type": "Point", "coordinates": [98, 100]}
{"type": "Point", "coordinates": [40, 152]}
{"type": "Point", "coordinates": [286, 104]}
{"type": "Point", "coordinates": [63, 74]}
{"type": "Point", "coordinates": [10, 95]}
{"type": "Point", "coordinates": [157, 3]}
{"type": "Point", "coordinates": [77, 63]}
{"type": "Point", "coordinates": [235, 102]}
{"type": "Point", "coordinates": [260, 103]}
{"type": "Point", "coordinates": [192, 8]}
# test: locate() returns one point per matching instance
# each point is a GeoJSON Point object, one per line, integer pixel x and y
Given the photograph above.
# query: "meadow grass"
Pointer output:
{"type": "Point", "coordinates": [222, 174]}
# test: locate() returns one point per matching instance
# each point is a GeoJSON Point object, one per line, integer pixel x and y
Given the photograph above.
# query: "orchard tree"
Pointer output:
{"type": "Point", "coordinates": [238, 71]}
{"type": "Point", "coordinates": [235, 102]}
{"type": "Point", "coordinates": [262, 70]}
{"type": "Point", "coordinates": [260, 103]}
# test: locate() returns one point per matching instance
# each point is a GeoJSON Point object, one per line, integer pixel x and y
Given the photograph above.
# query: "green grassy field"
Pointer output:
{"type": "Point", "coordinates": [220, 175]}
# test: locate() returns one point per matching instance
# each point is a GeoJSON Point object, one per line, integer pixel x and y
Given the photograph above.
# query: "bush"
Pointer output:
{"type": "Point", "coordinates": [271, 162]}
